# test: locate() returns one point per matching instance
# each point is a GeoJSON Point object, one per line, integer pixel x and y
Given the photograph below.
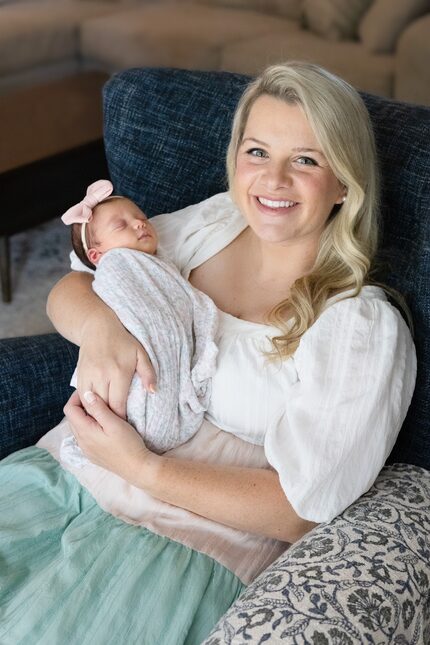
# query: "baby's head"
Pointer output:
{"type": "Point", "coordinates": [113, 222]}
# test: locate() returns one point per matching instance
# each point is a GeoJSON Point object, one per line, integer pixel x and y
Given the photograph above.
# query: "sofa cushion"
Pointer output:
{"type": "Point", "coordinates": [384, 22]}
{"type": "Point", "coordinates": [33, 34]}
{"type": "Point", "coordinates": [412, 63]}
{"type": "Point", "coordinates": [334, 19]}
{"type": "Point", "coordinates": [287, 8]}
{"type": "Point", "coordinates": [166, 134]}
{"type": "Point", "coordinates": [348, 59]}
{"type": "Point", "coordinates": [175, 35]}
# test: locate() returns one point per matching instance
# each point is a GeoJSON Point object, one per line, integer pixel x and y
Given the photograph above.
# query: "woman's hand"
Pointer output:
{"type": "Point", "coordinates": [108, 358]}
{"type": "Point", "coordinates": [106, 439]}
{"type": "Point", "coordinates": [109, 355]}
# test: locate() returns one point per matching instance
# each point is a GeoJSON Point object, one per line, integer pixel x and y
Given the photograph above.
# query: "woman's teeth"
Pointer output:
{"type": "Point", "coordinates": [272, 204]}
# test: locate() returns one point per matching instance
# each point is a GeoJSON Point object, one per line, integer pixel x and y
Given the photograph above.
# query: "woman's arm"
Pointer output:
{"type": "Point", "coordinates": [249, 499]}
{"type": "Point", "coordinates": [72, 304]}
{"type": "Point", "coordinates": [109, 355]}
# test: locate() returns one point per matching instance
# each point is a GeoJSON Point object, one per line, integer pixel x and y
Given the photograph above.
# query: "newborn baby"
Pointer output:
{"type": "Point", "coordinates": [174, 322]}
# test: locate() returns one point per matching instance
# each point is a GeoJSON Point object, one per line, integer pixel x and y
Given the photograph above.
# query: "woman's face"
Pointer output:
{"type": "Point", "coordinates": [283, 184]}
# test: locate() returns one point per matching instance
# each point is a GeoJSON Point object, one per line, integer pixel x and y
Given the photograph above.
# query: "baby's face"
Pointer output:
{"type": "Point", "coordinates": [119, 223]}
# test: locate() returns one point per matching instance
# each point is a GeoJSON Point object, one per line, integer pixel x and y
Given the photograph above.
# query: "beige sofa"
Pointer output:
{"type": "Point", "coordinates": [380, 46]}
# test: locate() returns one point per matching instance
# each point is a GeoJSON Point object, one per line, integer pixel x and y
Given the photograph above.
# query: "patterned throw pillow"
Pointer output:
{"type": "Point", "coordinates": [385, 21]}
{"type": "Point", "coordinates": [364, 578]}
{"type": "Point", "coordinates": [334, 19]}
{"type": "Point", "coordinates": [286, 8]}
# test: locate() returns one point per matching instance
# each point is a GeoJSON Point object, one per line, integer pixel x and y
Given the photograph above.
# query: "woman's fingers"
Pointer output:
{"type": "Point", "coordinates": [77, 416]}
{"type": "Point", "coordinates": [146, 371]}
{"type": "Point", "coordinates": [91, 376]}
{"type": "Point", "coordinates": [119, 384]}
{"type": "Point", "coordinates": [98, 409]}
{"type": "Point", "coordinates": [107, 363]}
{"type": "Point", "coordinates": [117, 398]}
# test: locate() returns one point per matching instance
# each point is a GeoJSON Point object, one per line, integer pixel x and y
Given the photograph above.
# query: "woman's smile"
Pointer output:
{"type": "Point", "coordinates": [276, 207]}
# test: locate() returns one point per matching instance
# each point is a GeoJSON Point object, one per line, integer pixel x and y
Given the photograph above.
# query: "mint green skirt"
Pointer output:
{"type": "Point", "coordinates": [72, 573]}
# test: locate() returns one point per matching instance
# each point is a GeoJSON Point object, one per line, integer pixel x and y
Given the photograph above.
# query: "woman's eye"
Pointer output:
{"type": "Point", "coordinates": [306, 161]}
{"type": "Point", "coordinates": [257, 152]}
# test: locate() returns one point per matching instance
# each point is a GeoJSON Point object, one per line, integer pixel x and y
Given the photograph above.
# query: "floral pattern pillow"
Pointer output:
{"type": "Point", "coordinates": [363, 578]}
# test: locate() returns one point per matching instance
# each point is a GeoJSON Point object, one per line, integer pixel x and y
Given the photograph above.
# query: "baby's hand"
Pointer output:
{"type": "Point", "coordinates": [108, 358]}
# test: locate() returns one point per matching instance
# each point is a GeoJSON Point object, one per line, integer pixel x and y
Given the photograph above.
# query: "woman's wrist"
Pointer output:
{"type": "Point", "coordinates": [145, 470]}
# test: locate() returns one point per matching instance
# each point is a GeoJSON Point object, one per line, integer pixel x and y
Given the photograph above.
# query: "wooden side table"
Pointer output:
{"type": "Point", "coordinates": [51, 149]}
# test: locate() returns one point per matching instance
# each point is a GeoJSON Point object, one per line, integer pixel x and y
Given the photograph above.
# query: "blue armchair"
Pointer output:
{"type": "Point", "coordinates": [365, 576]}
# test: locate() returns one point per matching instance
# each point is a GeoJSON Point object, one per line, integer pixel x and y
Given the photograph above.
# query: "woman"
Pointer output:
{"type": "Point", "coordinates": [315, 374]}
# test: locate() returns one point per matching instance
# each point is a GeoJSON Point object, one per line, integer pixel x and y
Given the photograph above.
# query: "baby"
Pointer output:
{"type": "Point", "coordinates": [175, 323]}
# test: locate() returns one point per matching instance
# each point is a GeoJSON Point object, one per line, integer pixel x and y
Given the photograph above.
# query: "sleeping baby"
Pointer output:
{"type": "Point", "coordinates": [173, 321]}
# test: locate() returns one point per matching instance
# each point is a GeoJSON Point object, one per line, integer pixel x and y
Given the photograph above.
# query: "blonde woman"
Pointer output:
{"type": "Point", "coordinates": [315, 374]}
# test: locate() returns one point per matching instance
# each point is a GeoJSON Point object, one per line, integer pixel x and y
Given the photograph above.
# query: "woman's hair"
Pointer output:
{"type": "Point", "coordinates": [341, 124]}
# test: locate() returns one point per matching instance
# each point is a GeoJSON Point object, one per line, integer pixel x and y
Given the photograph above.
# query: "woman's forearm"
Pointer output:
{"type": "Point", "coordinates": [72, 302]}
{"type": "Point", "coordinates": [249, 499]}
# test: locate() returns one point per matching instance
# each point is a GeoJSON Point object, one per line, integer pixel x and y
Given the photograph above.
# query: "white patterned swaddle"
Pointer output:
{"type": "Point", "coordinates": [176, 324]}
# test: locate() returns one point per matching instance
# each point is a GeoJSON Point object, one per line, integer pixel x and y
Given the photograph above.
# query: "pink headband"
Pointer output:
{"type": "Point", "coordinates": [82, 213]}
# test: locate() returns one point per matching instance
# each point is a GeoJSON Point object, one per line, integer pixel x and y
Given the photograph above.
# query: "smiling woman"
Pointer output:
{"type": "Point", "coordinates": [302, 151]}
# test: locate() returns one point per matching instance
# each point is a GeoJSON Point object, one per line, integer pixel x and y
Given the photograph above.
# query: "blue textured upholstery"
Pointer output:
{"type": "Point", "coordinates": [166, 133]}
{"type": "Point", "coordinates": [35, 373]}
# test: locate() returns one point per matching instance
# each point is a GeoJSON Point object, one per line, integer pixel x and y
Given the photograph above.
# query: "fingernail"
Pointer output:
{"type": "Point", "coordinates": [89, 397]}
{"type": "Point", "coordinates": [151, 389]}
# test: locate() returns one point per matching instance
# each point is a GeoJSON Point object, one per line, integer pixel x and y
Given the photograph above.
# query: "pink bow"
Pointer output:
{"type": "Point", "coordinates": [81, 213]}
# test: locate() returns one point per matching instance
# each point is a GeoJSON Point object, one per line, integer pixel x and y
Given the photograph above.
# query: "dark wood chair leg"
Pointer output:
{"type": "Point", "coordinates": [6, 290]}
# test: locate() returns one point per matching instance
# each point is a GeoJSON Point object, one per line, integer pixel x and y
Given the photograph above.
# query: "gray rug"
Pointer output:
{"type": "Point", "coordinates": [39, 258]}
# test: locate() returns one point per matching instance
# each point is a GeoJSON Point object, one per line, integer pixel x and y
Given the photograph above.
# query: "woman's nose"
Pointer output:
{"type": "Point", "coordinates": [277, 176]}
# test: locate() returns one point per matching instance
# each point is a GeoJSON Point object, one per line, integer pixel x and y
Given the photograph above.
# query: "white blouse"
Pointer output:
{"type": "Point", "coordinates": [327, 417]}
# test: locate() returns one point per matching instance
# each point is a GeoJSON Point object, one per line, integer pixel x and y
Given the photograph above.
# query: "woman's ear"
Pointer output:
{"type": "Point", "coordinates": [342, 195]}
{"type": "Point", "coordinates": [94, 256]}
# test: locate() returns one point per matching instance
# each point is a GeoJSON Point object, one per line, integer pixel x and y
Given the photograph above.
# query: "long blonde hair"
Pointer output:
{"type": "Point", "coordinates": [341, 124]}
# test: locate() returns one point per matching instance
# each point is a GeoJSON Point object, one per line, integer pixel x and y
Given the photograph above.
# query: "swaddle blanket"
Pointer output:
{"type": "Point", "coordinates": [176, 324]}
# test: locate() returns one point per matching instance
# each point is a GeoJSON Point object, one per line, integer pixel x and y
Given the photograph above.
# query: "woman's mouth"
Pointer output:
{"type": "Point", "coordinates": [275, 207]}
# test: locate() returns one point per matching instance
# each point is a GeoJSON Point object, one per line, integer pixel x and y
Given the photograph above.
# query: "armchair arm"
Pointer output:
{"type": "Point", "coordinates": [362, 578]}
{"type": "Point", "coordinates": [35, 373]}
{"type": "Point", "coordinates": [412, 78]}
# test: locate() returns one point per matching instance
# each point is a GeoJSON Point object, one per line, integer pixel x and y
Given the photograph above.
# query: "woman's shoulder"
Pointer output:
{"type": "Point", "coordinates": [355, 324]}
{"type": "Point", "coordinates": [370, 304]}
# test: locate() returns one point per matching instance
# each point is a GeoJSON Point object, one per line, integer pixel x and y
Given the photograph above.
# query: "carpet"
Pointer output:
{"type": "Point", "coordinates": [39, 258]}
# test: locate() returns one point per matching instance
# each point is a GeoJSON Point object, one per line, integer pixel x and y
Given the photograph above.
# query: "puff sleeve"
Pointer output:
{"type": "Point", "coordinates": [356, 369]}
